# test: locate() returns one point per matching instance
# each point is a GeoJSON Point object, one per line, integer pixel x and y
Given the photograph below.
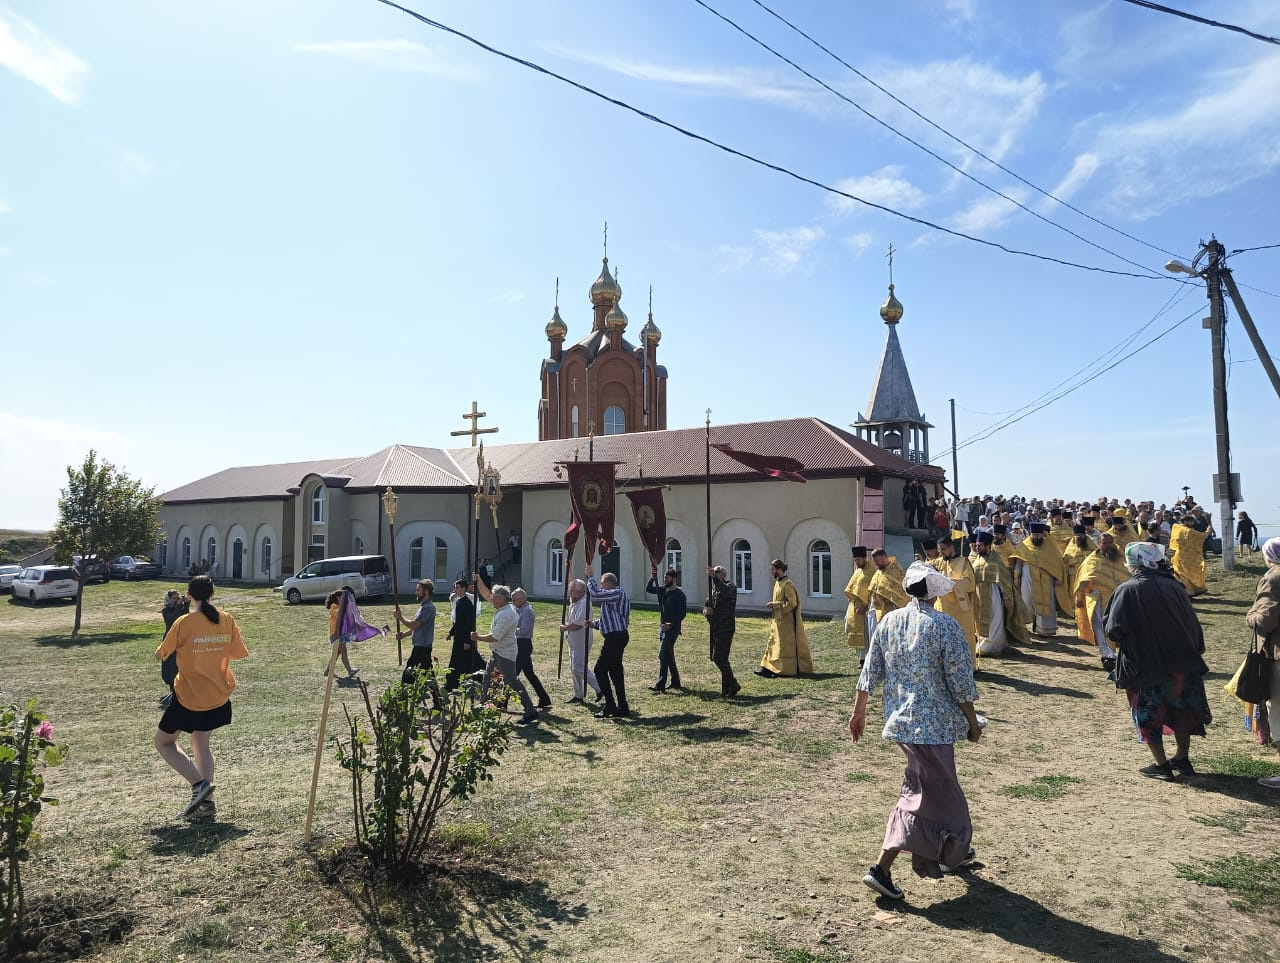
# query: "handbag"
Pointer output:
{"type": "Point", "coordinates": [1253, 681]}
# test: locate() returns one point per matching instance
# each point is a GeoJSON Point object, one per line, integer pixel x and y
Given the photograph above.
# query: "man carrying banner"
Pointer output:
{"type": "Point", "coordinates": [614, 623]}
{"type": "Point", "coordinates": [721, 611]}
{"type": "Point", "coordinates": [788, 651]}
{"type": "Point", "coordinates": [672, 606]}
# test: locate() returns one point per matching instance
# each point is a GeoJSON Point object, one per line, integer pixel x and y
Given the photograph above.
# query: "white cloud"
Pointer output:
{"type": "Point", "coordinates": [784, 250]}
{"type": "Point", "coordinates": [974, 101]}
{"type": "Point", "coordinates": [886, 186]}
{"type": "Point", "coordinates": [731, 258]}
{"type": "Point", "coordinates": [1227, 136]}
{"type": "Point", "coordinates": [130, 168]}
{"type": "Point", "coordinates": [739, 82]}
{"type": "Point", "coordinates": [397, 54]}
{"type": "Point", "coordinates": [29, 53]}
{"type": "Point", "coordinates": [507, 297]}
{"type": "Point", "coordinates": [964, 9]}
{"type": "Point", "coordinates": [860, 242]}
{"type": "Point", "coordinates": [1085, 166]}
{"type": "Point", "coordinates": [987, 213]}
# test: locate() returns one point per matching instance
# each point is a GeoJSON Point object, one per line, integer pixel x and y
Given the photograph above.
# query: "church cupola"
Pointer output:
{"type": "Point", "coordinates": [616, 319]}
{"type": "Point", "coordinates": [891, 310]}
{"type": "Point", "coordinates": [605, 290]}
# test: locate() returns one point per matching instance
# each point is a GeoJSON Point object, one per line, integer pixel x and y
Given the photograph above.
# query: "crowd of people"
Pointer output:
{"type": "Point", "coordinates": [1124, 572]}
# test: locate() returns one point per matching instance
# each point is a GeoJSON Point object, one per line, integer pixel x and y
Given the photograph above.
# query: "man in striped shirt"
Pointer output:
{"type": "Point", "coordinates": [615, 617]}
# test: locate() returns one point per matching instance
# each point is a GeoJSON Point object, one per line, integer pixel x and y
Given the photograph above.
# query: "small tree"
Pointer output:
{"type": "Point", "coordinates": [104, 513]}
{"type": "Point", "coordinates": [411, 762]}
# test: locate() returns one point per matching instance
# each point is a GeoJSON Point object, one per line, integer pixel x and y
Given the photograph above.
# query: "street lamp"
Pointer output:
{"type": "Point", "coordinates": [389, 501]}
{"type": "Point", "coordinates": [1177, 267]}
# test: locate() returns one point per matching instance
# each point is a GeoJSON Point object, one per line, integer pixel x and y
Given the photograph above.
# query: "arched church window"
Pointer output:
{"type": "Point", "coordinates": [573, 422]}
{"type": "Point", "coordinates": [317, 506]}
{"type": "Point", "coordinates": [675, 555]}
{"type": "Point", "coordinates": [555, 562]}
{"type": "Point", "coordinates": [442, 560]}
{"type": "Point", "coordinates": [415, 559]}
{"type": "Point", "coordinates": [742, 565]}
{"type": "Point", "coordinates": [615, 422]}
{"type": "Point", "coordinates": [820, 570]}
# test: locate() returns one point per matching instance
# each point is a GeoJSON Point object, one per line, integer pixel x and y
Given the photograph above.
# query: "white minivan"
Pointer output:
{"type": "Point", "coordinates": [368, 576]}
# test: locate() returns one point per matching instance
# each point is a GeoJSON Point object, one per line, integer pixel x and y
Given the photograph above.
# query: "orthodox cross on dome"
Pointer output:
{"type": "Point", "coordinates": [474, 416]}
{"type": "Point", "coordinates": [890, 257]}
{"type": "Point", "coordinates": [557, 292]}
{"type": "Point", "coordinates": [606, 238]}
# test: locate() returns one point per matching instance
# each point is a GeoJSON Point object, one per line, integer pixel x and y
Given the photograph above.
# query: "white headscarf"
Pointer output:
{"type": "Point", "coordinates": [1140, 555]}
{"type": "Point", "coordinates": [1271, 549]}
{"type": "Point", "coordinates": [938, 584]}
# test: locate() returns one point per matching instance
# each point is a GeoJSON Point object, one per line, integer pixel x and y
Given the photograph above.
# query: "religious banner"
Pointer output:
{"type": "Point", "coordinates": [591, 493]}
{"type": "Point", "coordinates": [651, 521]}
{"type": "Point", "coordinates": [775, 466]}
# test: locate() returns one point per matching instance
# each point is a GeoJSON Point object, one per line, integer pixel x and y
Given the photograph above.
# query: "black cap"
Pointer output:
{"type": "Point", "coordinates": [1119, 520]}
{"type": "Point", "coordinates": [1039, 528]}
{"type": "Point", "coordinates": [1055, 512]}
{"type": "Point", "coordinates": [947, 541]}
{"type": "Point", "coordinates": [859, 551]}
{"type": "Point", "coordinates": [1000, 529]}
{"type": "Point", "coordinates": [929, 543]}
{"type": "Point", "coordinates": [1077, 529]}
{"type": "Point", "coordinates": [984, 538]}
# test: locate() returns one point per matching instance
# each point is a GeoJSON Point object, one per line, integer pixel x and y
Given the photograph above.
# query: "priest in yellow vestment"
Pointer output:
{"type": "Point", "coordinates": [856, 630]}
{"type": "Point", "coordinates": [1073, 557]}
{"type": "Point", "coordinates": [887, 592]}
{"type": "Point", "coordinates": [1039, 576]}
{"type": "Point", "coordinates": [961, 603]}
{"type": "Point", "coordinates": [1096, 582]}
{"type": "Point", "coordinates": [1122, 531]}
{"type": "Point", "coordinates": [1188, 557]}
{"type": "Point", "coordinates": [788, 650]}
{"type": "Point", "coordinates": [997, 614]}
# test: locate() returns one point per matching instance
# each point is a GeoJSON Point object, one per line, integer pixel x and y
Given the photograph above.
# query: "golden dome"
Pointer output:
{"type": "Point", "coordinates": [605, 289]}
{"type": "Point", "coordinates": [616, 319]}
{"type": "Point", "coordinates": [556, 328]}
{"type": "Point", "coordinates": [650, 333]}
{"type": "Point", "coordinates": [891, 310]}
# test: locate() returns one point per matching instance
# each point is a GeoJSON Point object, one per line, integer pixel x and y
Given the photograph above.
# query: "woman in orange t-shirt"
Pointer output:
{"type": "Point", "coordinates": [205, 641]}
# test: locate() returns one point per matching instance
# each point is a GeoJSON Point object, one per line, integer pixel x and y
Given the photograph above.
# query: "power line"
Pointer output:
{"type": "Point", "coordinates": [1260, 247]}
{"type": "Point", "coordinates": [1035, 403]}
{"type": "Point", "coordinates": [1259, 290]}
{"type": "Point", "coordinates": [915, 143]}
{"type": "Point", "coordinates": [947, 133]}
{"type": "Point", "coordinates": [768, 165]}
{"type": "Point", "coordinates": [1211, 23]}
{"type": "Point", "coordinates": [1074, 388]}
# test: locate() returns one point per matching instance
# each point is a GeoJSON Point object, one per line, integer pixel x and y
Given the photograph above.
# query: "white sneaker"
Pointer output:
{"type": "Point", "coordinates": [1271, 782]}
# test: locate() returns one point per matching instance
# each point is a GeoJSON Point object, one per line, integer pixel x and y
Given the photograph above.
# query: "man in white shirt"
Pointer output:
{"type": "Point", "coordinates": [577, 628]}
{"type": "Point", "coordinates": [502, 642]}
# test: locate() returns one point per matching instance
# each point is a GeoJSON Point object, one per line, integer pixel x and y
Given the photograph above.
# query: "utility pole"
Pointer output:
{"type": "Point", "coordinates": [1224, 481]}
{"type": "Point", "coordinates": [955, 464]}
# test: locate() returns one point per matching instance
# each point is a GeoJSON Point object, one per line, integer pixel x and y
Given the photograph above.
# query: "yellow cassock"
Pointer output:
{"type": "Point", "coordinates": [1123, 535]}
{"type": "Point", "coordinates": [1048, 578]}
{"type": "Point", "coordinates": [887, 592]}
{"type": "Point", "coordinates": [961, 603]}
{"type": "Point", "coordinates": [1095, 583]}
{"type": "Point", "coordinates": [1061, 534]}
{"type": "Point", "coordinates": [991, 572]}
{"type": "Point", "coordinates": [1073, 557]}
{"type": "Point", "coordinates": [788, 651]}
{"type": "Point", "coordinates": [1188, 557]}
{"type": "Point", "coordinates": [858, 592]}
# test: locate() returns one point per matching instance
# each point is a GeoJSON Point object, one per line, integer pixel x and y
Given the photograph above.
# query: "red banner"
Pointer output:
{"type": "Point", "coordinates": [775, 466]}
{"type": "Point", "coordinates": [591, 492]}
{"type": "Point", "coordinates": [651, 521]}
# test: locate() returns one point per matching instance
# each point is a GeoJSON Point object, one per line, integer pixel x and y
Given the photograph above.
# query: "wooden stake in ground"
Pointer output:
{"type": "Point", "coordinates": [324, 722]}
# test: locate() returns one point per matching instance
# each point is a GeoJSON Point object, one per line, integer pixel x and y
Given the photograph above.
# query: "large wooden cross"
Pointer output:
{"type": "Point", "coordinates": [474, 415]}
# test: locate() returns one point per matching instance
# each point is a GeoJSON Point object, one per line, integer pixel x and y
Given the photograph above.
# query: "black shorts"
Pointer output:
{"type": "Point", "coordinates": [178, 718]}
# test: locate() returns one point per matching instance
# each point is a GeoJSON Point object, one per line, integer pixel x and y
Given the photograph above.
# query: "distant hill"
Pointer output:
{"type": "Point", "coordinates": [15, 544]}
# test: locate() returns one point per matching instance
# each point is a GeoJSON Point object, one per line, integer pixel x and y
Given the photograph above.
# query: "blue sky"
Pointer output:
{"type": "Point", "coordinates": [244, 232]}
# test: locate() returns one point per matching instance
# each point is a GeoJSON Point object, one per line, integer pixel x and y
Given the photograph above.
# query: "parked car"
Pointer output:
{"type": "Point", "coordinates": [94, 570]}
{"type": "Point", "coordinates": [368, 576]}
{"type": "Point", "coordinates": [42, 582]}
{"type": "Point", "coordinates": [7, 574]}
{"type": "Point", "coordinates": [134, 566]}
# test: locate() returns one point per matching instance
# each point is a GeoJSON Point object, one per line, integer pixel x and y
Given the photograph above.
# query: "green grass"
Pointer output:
{"type": "Point", "coordinates": [1254, 882]}
{"type": "Point", "coordinates": [1042, 788]}
{"type": "Point", "coordinates": [1238, 763]}
{"type": "Point", "coordinates": [1232, 823]}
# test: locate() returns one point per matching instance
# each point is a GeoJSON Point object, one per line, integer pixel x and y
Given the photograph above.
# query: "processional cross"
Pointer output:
{"type": "Point", "coordinates": [474, 417]}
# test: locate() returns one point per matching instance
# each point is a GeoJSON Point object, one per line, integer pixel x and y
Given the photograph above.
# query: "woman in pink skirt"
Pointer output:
{"type": "Point", "coordinates": [922, 658]}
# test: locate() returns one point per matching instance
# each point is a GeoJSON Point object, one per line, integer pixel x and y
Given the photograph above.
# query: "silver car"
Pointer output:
{"type": "Point", "coordinates": [7, 574]}
{"type": "Point", "coordinates": [368, 576]}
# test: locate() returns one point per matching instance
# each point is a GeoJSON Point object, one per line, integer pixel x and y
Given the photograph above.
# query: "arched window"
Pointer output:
{"type": "Point", "coordinates": [162, 553]}
{"type": "Point", "coordinates": [573, 422]}
{"type": "Point", "coordinates": [615, 422]}
{"type": "Point", "coordinates": [442, 561]}
{"type": "Point", "coordinates": [742, 565]}
{"type": "Point", "coordinates": [266, 557]}
{"type": "Point", "coordinates": [357, 545]}
{"type": "Point", "coordinates": [555, 562]}
{"type": "Point", "coordinates": [317, 506]}
{"type": "Point", "coordinates": [186, 556]}
{"type": "Point", "coordinates": [820, 570]}
{"type": "Point", "coordinates": [211, 554]}
{"type": "Point", "coordinates": [675, 555]}
{"type": "Point", "coordinates": [237, 558]}
{"type": "Point", "coordinates": [415, 559]}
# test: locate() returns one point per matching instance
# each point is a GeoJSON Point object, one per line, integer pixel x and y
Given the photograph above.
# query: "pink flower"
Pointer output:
{"type": "Point", "coordinates": [44, 730]}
